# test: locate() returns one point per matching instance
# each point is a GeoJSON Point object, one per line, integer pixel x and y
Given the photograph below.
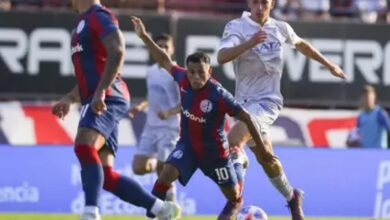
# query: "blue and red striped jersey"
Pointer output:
{"type": "Point", "coordinates": [89, 55]}
{"type": "Point", "coordinates": [203, 116]}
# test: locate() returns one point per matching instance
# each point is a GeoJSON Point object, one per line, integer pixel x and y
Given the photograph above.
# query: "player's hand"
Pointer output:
{"type": "Point", "coordinates": [258, 37]}
{"type": "Point", "coordinates": [98, 106]}
{"type": "Point", "coordinates": [163, 115]}
{"type": "Point", "coordinates": [139, 26]}
{"type": "Point", "coordinates": [335, 70]}
{"type": "Point", "coordinates": [62, 107]}
{"type": "Point", "coordinates": [133, 112]}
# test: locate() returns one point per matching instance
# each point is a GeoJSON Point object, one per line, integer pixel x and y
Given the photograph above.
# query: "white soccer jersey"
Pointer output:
{"type": "Point", "coordinates": [163, 94]}
{"type": "Point", "coordinates": [258, 71]}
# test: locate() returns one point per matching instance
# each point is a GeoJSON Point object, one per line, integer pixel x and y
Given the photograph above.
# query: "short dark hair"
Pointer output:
{"type": "Point", "coordinates": [369, 89]}
{"type": "Point", "coordinates": [198, 57]}
{"type": "Point", "coordinates": [163, 36]}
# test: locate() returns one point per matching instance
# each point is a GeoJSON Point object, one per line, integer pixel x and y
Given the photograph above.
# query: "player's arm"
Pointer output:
{"type": "Point", "coordinates": [115, 47]}
{"type": "Point", "coordinates": [384, 120]}
{"type": "Point", "coordinates": [158, 54]}
{"type": "Point", "coordinates": [228, 54]}
{"type": "Point", "coordinates": [309, 51]}
{"type": "Point", "coordinates": [164, 115]}
{"type": "Point", "coordinates": [61, 108]}
{"type": "Point", "coordinates": [255, 132]}
{"type": "Point", "coordinates": [138, 108]}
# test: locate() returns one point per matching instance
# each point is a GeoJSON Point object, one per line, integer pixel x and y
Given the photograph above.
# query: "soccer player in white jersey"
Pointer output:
{"type": "Point", "coordinates": [161, 130]}
{"type": "Point", "coordinates": [254, 44]}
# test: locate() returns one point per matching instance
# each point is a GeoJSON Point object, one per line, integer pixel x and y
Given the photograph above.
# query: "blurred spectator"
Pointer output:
{"type": "Point", "coordinates": [155, 5]}
{"type": "Point", "coordinates": [343, 8]}
{"type": "Point", "coordinates": [5, 5]}
{"type": "Point", "coordinates": [315, 9]}
{"type": "Point", "coordinates": [373, 123]}
{"type": "Point", "coordinates": [371, 10]}
{"type": "Point", "coordinates": [208, 6]}
{"type": "Point", "coordinates": [287, 10]}
{"type": "Point", "coordinates": [26, 4]}
{"type": "Point", "coordinates": [56, 3]}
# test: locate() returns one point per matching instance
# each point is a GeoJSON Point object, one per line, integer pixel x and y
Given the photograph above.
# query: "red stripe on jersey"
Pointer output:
{"type": "Point", "coordinates": [196, 128]}
{"type": "Point", "coordinates": [81, 80]}
{"type": "Point", "coordinates": [223, 153]}
{"type": "Point", "coordinates": [125, 90]}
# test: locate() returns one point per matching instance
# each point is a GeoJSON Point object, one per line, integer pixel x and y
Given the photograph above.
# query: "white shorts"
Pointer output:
{"type": "Point", "coordinates": [264, 112]}
{"type": "Point", "coordinates": [157, 142]}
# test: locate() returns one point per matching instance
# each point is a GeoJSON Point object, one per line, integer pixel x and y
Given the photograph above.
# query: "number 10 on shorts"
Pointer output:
{"type": "Point", "coordinates": [222, 174]}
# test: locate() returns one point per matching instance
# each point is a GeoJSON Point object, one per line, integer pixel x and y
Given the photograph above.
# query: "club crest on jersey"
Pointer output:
{"type": "Point", "coordinates": [80, 26]}
{"type": "Point", "coordinates": [178, 154]}
{"type": "Point", "coordinates": [206, 106]}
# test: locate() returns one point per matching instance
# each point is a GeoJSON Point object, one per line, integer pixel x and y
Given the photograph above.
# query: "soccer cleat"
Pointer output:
{"type": "Point", "coordinates": [238, 155]}
{"type": "Point", "coordinates": [170, 211]}
{"type": "Point", "coordinates": [295, 205]}
{"type": "Point", "coordinates": [90, 216]}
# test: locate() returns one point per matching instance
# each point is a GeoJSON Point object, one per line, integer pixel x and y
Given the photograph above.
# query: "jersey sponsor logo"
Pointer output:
{"type": "Point", "coordinates": [268, 47]}
{"type": "Point", "coordinates": [80, 26]}
{"type": "Point", "coordinates": [77, 48]}
{"type": "Point", "coordinates": [178, 154]}
{"type": "Point", "coordinates": [193, 117]}
{"type": "Point", "coordinates": [206, 106]}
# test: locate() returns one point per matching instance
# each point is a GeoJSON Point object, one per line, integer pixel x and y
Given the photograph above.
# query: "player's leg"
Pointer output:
{"type": "Point", "coordinates": [144, 160]}
{"type": "Point", "coordinates": [167, 139]}
{"type": "Point", "coordinates": [126, 188]}
{"type": "Point", "coordinates": [87, 144]}
{"type": "Point", "coordinates": [179, 165]}
{"type": "Point", "coordinates": [265, 114]}
{"type": "Point", "coordinates": [225, 176]}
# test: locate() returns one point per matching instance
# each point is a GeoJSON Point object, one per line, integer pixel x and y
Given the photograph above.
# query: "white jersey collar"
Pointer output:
{"type": "Point", "coordinates": [246, 15]}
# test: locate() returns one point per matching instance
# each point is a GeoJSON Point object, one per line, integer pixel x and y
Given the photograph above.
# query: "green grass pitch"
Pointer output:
{"type": "Point", "coordinates": [74, 217]}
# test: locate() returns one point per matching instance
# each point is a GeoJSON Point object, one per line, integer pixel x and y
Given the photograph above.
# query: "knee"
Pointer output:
{"type": "Point", "coordinates": [87, 154]}
{"type": "Point", "coordinates": [139, 169]}
{"type": "Point", "coordinates": [111, 179]}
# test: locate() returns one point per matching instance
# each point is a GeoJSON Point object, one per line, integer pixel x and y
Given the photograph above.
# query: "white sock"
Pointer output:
{"type": "Point", "coordinates": [157, 206]}
{"type": "Point", "coordinates": [91, 209]}
{"type": "Point", "coordinates": [171, 193]}
{"type": "Point", "coordinates": [283, 186]}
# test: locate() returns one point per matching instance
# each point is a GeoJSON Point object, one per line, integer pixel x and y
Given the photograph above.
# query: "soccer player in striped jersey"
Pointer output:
{"type": "Point", "coordinates": [98, 54]}
{"type": "Point", "coordinates": [203, 143]}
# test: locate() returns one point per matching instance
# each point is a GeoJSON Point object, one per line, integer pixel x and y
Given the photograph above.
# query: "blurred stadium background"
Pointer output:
{"type": "Point", "coordinates": [39, 173]}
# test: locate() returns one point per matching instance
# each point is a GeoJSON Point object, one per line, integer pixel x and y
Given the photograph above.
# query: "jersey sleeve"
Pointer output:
{"type": "Point", "coordinates": [288, 32]}
{"type": "Point", "coordinates": [103, 23]}
{"type": "Point", "coordinates": [178, 73]}
{"type": "Point", "coordinates": [227, 103]}
{"type": "Point", "coordinates": [384, 119]}
{"type": "Point", "coordinates": [231, 36]}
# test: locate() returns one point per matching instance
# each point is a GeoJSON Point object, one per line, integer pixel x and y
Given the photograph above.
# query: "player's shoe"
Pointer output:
{"type": "Point", "coordinates": [90, 216]}
{"type": "Point", "coordinates": [170, 211]}
{"type": "Point", "coordinates": [295, 205]}
{"type": "Point", "coordinates": [238, 155]}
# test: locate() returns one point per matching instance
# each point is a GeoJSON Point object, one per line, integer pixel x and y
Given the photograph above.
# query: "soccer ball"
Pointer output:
{"type": "Point", "coordinates": [251, 213]}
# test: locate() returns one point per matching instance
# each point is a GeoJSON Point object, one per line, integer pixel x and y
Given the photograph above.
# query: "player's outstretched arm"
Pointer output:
{"type": "Point", "coordinates": [61, 108]}
{"type": "Point", "coordinates": [158, 54]}
{"type": "Point", "coordinates": [255, 132]}
{"type": "Point", "coordinates": [230, 53]}
{"type": "Point", "coordinates": [137, 108]}
{"type": "Point", "coordinates": [308, 50]}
